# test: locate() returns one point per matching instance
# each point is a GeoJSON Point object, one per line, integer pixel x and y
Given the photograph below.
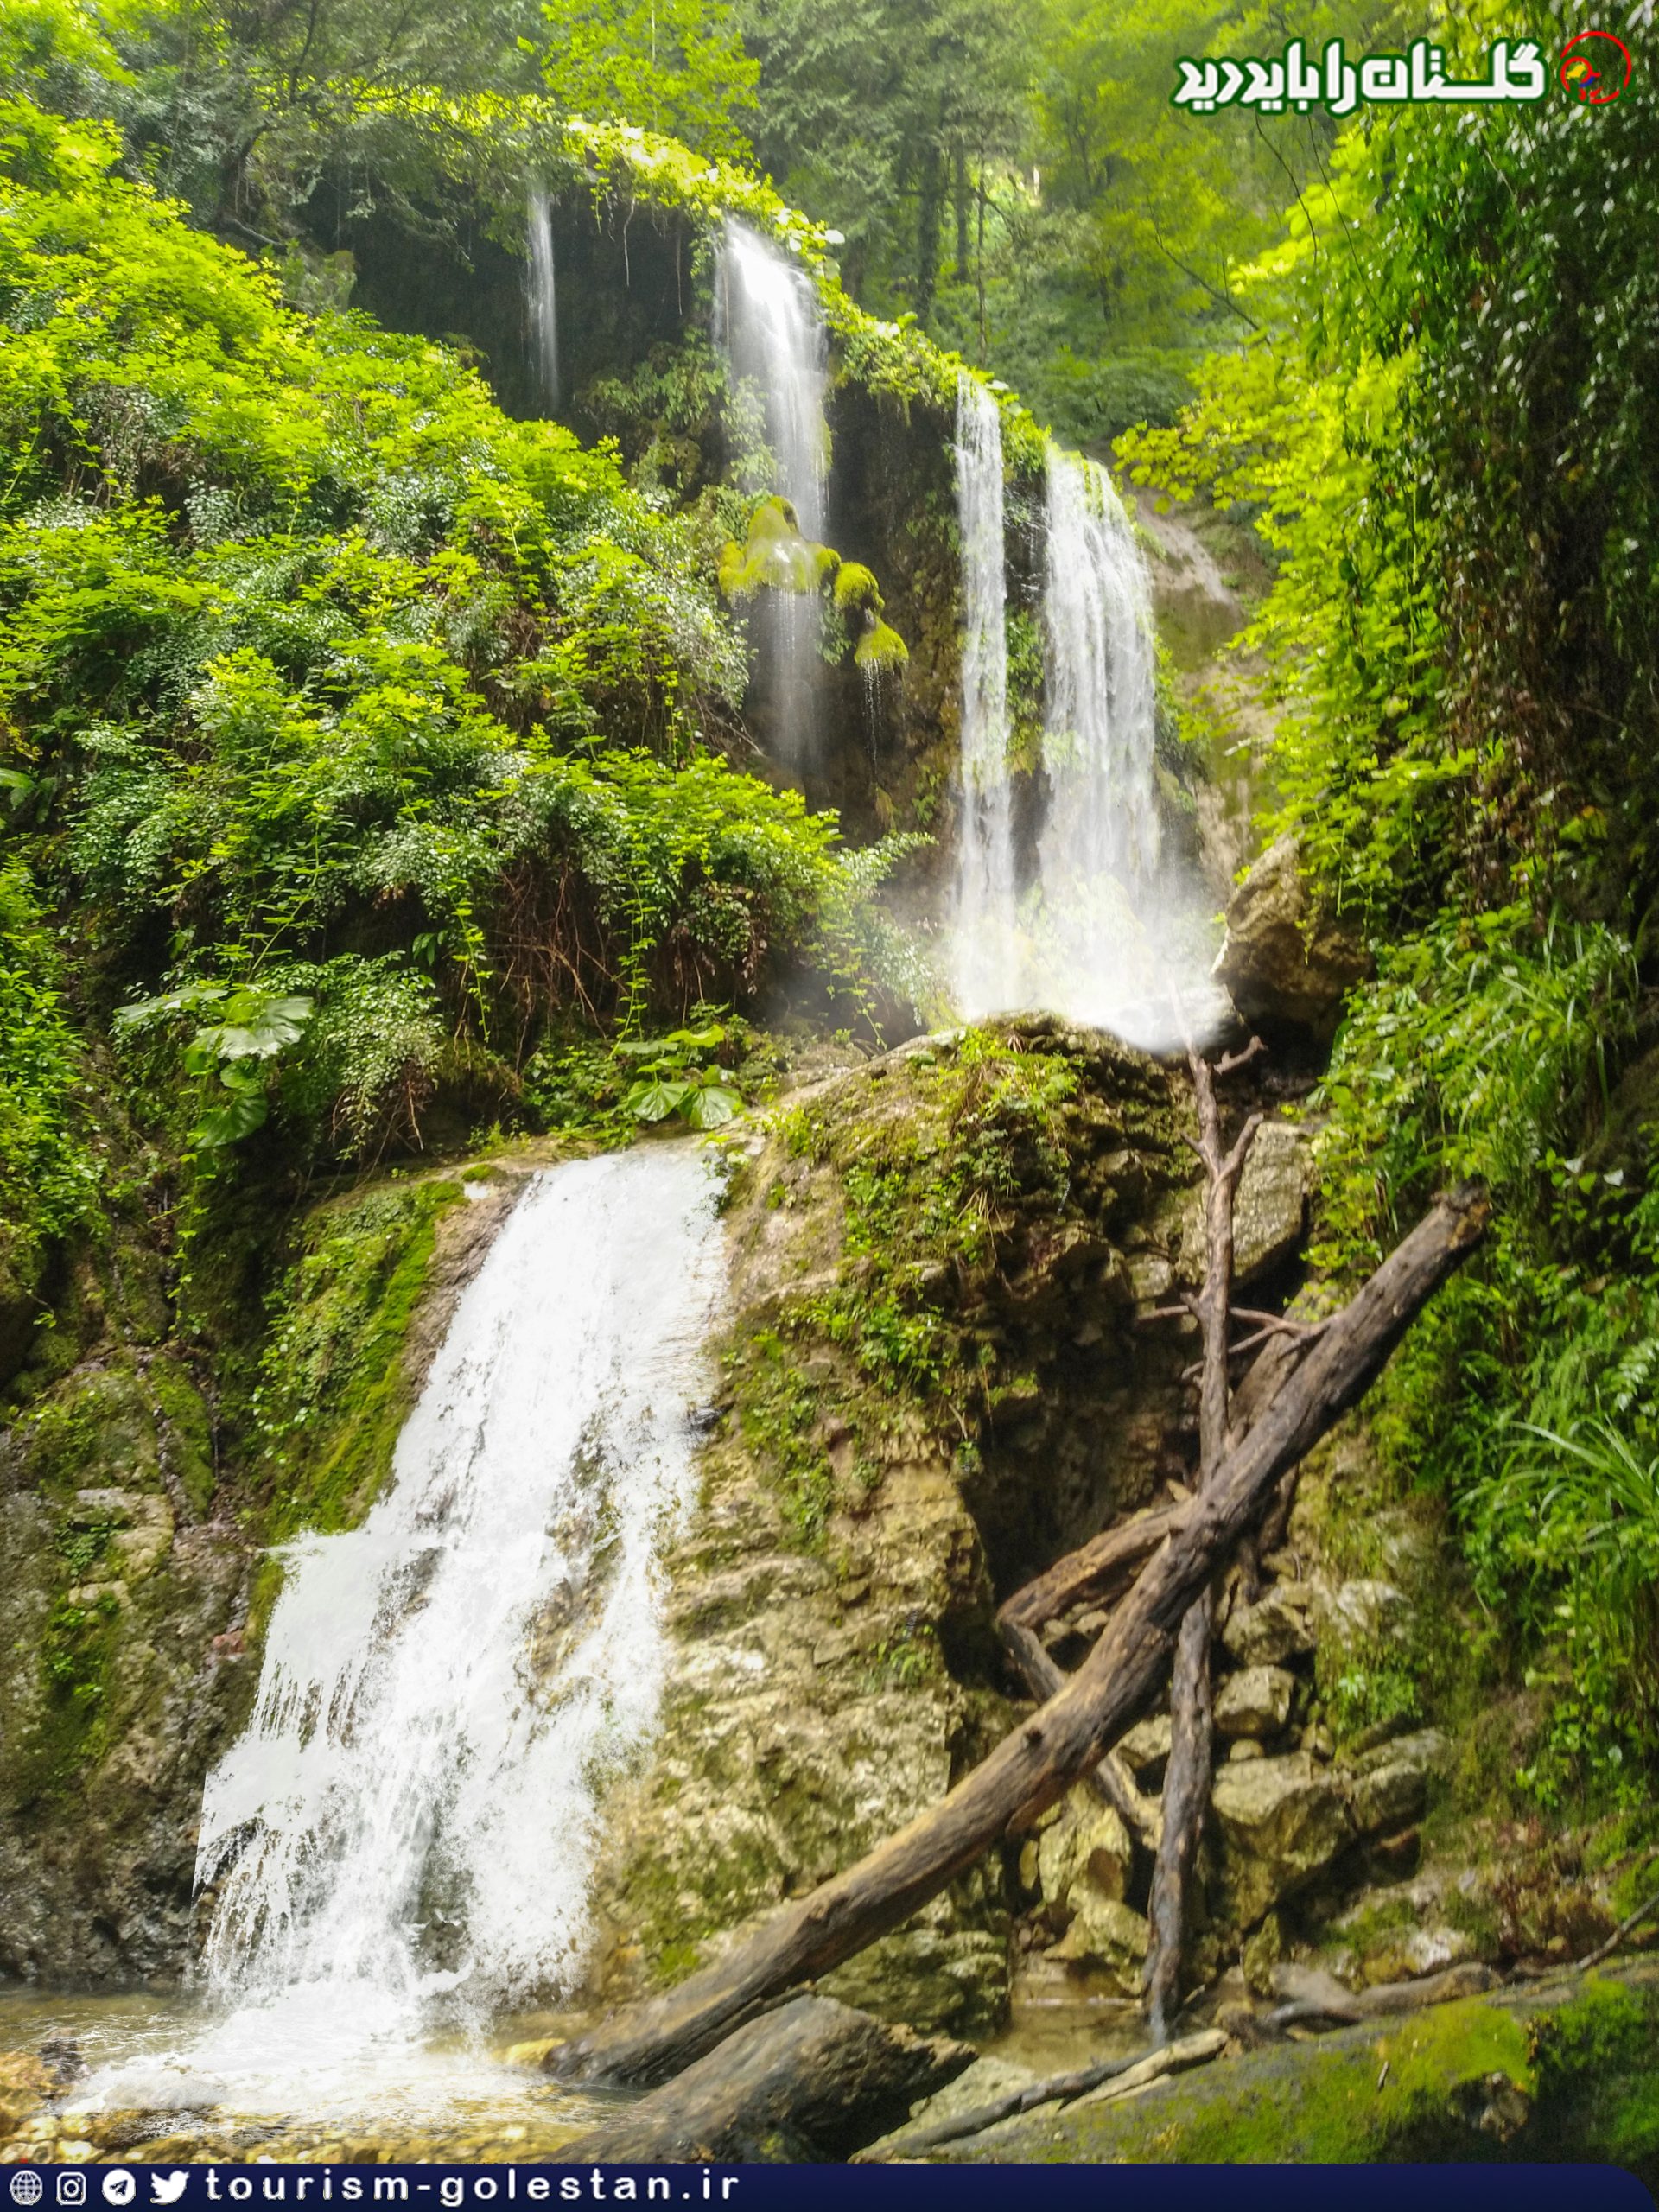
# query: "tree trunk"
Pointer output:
{"type": "Point", "coordinates": [930, 213]}
{"type": "Point", "coordinates": [1186, 1777]}
{"type": "Point", "coordinates": [1034, 1765]}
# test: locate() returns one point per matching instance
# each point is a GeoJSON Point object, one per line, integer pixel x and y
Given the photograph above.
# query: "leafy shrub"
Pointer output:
{"type": "Point", "coordinates": [48, 1176]}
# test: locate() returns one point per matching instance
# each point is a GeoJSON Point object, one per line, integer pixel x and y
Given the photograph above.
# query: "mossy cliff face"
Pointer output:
{"type": "Point", "coordinates": [140, 1479]}
{"type": "Point", "coordinates": [932, 1332]}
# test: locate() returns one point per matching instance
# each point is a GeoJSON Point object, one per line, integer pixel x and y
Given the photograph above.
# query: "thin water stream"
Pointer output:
{"type": "Point", "coordinates": [770, 328]}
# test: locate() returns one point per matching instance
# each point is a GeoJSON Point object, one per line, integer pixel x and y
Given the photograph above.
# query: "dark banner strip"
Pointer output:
{"type": "Point", "coordinates": [1499, 2188]}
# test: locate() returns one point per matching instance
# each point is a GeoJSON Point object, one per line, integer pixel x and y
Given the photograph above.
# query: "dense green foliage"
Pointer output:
{"type": "Point", "coordinates": [364, 734]}
{"type": "Point", "coordinates": [1446, 427]}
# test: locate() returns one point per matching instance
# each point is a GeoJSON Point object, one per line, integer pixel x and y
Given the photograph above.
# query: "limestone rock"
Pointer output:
{"type": "Point", "coordinates": [1270, 1211]}
{"type": "Point", "coordinates": [1256, 1701]}
{"type": "Point", "coordinates": [1109, 1936]}
{"type": "Point", "coordinates": [1086, 1850]}
{"type": "Point", "coordinates": [1388, 1787]}
{"type": "Point", "coordinates": [1282, 1821]}
{"type": "Point", "coordinates": [1286, 963]}
{"type": "Point", "coordinates": [981, 2083]}
{"type": "Point", "coordinates": [25, 2085]}
{"type": "Point", "coordinates": [1364, 1611]}
{"type": "Point", "coordinates": [1279, 1626]}
{"type": "Point", "coordinates": [812, 2081]}
{"type": "Point", "coordinates": [1147, 1743]}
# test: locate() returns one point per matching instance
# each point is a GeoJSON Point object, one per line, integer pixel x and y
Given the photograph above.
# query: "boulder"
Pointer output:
{"type": "Point", "coordinates": [1108, 1936]}
{"type": "Point", "coordinates": [811, 2081]}
{"type": "Point", "coordinates": [1282, 1821]}
{"type": "Point", "coordinates": [1086, 1850]}
{"type": "Point", "coordinates": [1147, 1743]}
{"type": "Point", "coordinates": [1254, 1702]}
{"type": "Point", "coordinates": [1288, 964]}
{"type": "Point", "coordinates": [1388, 1787]}
{"type": "Point", "coordinates": [1279, 1626]}
{"type": "Point", "coordinates": [1270, 1211]}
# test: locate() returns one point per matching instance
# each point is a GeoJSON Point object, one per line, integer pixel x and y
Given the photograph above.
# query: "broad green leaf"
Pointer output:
{"type": "Point", "coordinates": [711, 1106]}
{"type": "Point", "coordinates": [655, 1100]}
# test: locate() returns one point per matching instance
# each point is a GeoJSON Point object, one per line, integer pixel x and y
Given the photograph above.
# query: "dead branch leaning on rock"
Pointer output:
{"type": "Point", "coordinates": [1186, 1777]}
{"type": "Point", "coordinates": [1037, 1762]}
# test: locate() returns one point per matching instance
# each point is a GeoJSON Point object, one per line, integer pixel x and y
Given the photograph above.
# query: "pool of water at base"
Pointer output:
{"type": "Point", "coordinates": [161, 2076]}
{"type": "Point", "coordinates": [145, 2076]}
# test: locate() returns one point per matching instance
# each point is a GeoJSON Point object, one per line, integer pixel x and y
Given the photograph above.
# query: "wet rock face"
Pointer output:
{"type": "Point", "coordinates": [113, 1687]}
{"type": "Point", "coordinates": [932, 1334]}
{"type": "Point", "coordinates": [1288, 966]}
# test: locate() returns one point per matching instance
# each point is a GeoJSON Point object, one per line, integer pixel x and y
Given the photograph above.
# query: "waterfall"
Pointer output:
{"type": "Point", "coordinates": [542, 294]}
{"type": "Point", "coordinates": [985, 957]}
{"type": "Point", "coordinates": [771, 328]}
{"type": "Point", "coordinates": [1098, 719]}
{"type": "Point", "coordinates": [1101, 930]}
{"type": "Point", "coordinates": [407, 1827]}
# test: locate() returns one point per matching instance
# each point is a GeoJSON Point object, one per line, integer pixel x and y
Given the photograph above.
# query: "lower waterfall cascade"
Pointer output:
{"type": "Point", "coordinates": [404, 1833]}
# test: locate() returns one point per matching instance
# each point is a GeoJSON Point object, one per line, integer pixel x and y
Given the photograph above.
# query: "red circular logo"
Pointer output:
{"type": "Point", "coordinates": [1595, 67]}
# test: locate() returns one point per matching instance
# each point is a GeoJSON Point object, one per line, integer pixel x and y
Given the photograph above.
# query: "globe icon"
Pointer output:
{"type": "Point", "coordinates": [27, 2186]}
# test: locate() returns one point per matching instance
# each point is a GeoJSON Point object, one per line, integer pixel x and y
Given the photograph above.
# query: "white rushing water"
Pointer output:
{"type": "Point", "coordinates": [404, 1834]}
{"type": "Point", "coordinates": [541, 297]}
{"type": "Point", "coordinates": [1085, 920]}
{"type": "Point", "coordinates": [771, 329]}
{"type": "Point", "coordinates": [986, 954]}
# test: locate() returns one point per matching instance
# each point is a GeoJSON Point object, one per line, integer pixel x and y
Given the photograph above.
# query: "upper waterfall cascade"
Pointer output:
{"type": "Point", "coordinates": [407, 1827]}
{"type": "Point", "coordinates": [771, 328]}
{"type": "Point", "coordinates": [985, 952]}
{"type": "Point", "coordinates": [1084, 918]}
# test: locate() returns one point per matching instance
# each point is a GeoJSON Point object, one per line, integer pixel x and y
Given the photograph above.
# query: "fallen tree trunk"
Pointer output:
{"type": "Point", "coordinates": [1045, 1678]}
{"type": "Point", "coordinates": [1192, 1725]}
{"type": "Point", "coordinates": [1108, 1563]}
{"type": "Point", "coordinates": [1035, 1763]}
{"type": "Point", "coordinates": [811, 2081]}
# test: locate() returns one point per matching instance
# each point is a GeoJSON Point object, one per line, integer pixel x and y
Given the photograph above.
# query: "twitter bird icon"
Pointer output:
{"type": "Point", "coordinates": [167, 2189]}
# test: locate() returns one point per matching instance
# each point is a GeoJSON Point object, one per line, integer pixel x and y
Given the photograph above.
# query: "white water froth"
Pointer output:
{"type": "Point", "coordinates": [404, 1834]}
{"type": "Point", "coordinates": [1087, 920]}
{"type": "Point", "coordinates": [542, 296]}
{"type": "Point", "coordinates": [771, 329]}
{"type": "Point", "coordinates": [986, 961]}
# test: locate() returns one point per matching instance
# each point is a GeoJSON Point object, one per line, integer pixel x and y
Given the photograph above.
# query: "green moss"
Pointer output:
{"type": "Point", "coordinates": [777, 557]}
{"type": "Point", "coordinates": [856, 590]}
{"type": "Point", "coordinates": [952, 1169]}
{"type": "Point", "coordinates": [335, 1383]}
{"type": "Point", "coordinates": [880, 648]}
{"type": "Point", "coordinates": [1597, 2061]}
{"type": "Point", "coordinates": [1478, 2080]}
